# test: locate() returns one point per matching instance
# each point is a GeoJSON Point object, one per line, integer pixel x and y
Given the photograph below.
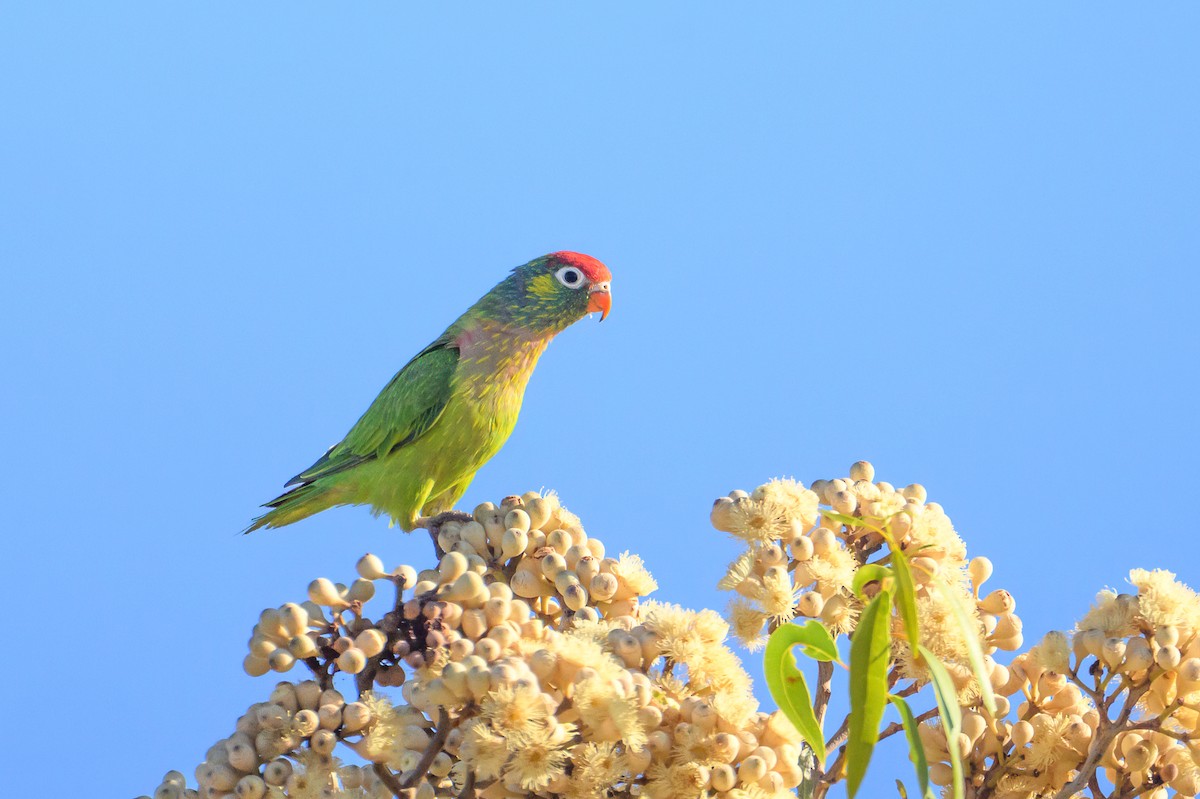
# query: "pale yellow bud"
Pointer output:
{"type": "Point", "coordinates": [824, 540]}
{"type": "Point", "coordinates": [575, 597]}
{"type": "Point", "coordinates": [941, 774]}
{"type": "Point", "coordinates": [302, 646]}
{"type": "Point", "coordinates": [406, 576]}
{"type": "Point", "coordinates": [751, 770]}
{"type": "Point", "coordinates": [370, 567]}
{"type": "Point", "coordinates": [723, 778]}
{"type": "Point", "coordinates": [980, 569]}
{"type": "Point", "coordinates": [352, 661]}
{"type": "Point", "coordinates": [603, 587]}
{"type": "Point", "coordinates": [1167, 657]}
{"type": "Point", "coordinates": [1138, 655]}
{"type": "Point", "coordinates": [281, 660]}
{"type": "Point", "coordinates": [802, 548]}
{"type": "Point", "coordinates": [467, 585]}
{"type": "Point", "coordinates": [517, 519]}
{"type": "Point", "coordinates": [1113, 651]}
{"type": "Point", "coordinates": [371, 642]}
{"type": "Point", "coordinates": [360, 590]}
{"type": "Point", "coordinates": [915, 491]}
{"type": "Point", "coordinates": [1022, 733]}
{"type": "Point", "coordinates": [255, 666]}
{"type": "Point", "coordinates": [998, 603]}
{"type": "Point", "coordinates": [306, 722]}
{"type": "Point", "coordinates": [355, 716]}
{"type": "Point", "coordinates": [862, 470]}
{"type": "Point", "coordinates": [1167, 635]}
{"type": "Point", "coordinates": [452, 565]}
{"type": "Point", "coordinates": [324, 592]}
{"type": "Point", "coordinates": [323, 741]}
{"type": "Point", "coordinates": [513, 543]}
{"type": "Point", "coordinates": [277, 772]}
{"type": "Point", "coordinates": [810, 604]}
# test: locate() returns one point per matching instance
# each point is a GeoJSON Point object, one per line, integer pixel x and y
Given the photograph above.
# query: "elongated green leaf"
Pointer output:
{"type": "Point", "coordinates": [916, 749]}
{"type": "Point", "coordinates": [849, 521]}
{"type": "Point", "coordinates": [870, 573]}
{"type": "Point", "coordinates": [818, 644]}
{"type": "Point", "coordinates": [906, 598]}
{"type": "Point", "coordinates": [788, 687]}
{"type": "Point", "coordinates": [870, 651]}
{"type": "Point", "coordinates": [951, 713]}
{"type": "Point", "coordinates": [974, 652]}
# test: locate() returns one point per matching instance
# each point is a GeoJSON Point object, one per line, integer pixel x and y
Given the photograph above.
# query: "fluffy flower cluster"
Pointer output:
{"type": "Point", "coordinates": [1121, 695]}
{"type": "Point", "coordinates": [804, 546]}
{"type": "Point", "coordinates": [529, 665]}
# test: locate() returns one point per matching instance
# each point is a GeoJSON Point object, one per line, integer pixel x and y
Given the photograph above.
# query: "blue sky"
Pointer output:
{"type": "Point", "coordinates": [958, 241]}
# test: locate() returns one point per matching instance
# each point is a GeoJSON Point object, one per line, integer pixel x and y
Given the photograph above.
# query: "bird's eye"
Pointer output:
{"type": "Point", "coordinates": [570, 277]}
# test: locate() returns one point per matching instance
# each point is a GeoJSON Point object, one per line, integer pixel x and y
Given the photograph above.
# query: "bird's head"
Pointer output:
{"type": "Point", "coordinates": [559, 289]}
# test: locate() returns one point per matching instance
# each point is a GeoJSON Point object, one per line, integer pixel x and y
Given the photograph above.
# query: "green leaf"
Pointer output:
{"type": "Point", "coordinates": [788, 687]}
{"type": "Point", "coordinates": [817, 642]}
{"type": "Point", "coordinates": [870, 651]}
{"type": "Point", "coordinates": [970, 633]}
{"type": "Point", "coordinates": [849, 521]}
{"type": "Point", "coordinates": [906, 598]}
{"type": "Point", "coordinates": [870, 573]}
{"type": "Point", "coordinates": [916, 749]}
{"type": "Point", "coordinates": [951, 713]}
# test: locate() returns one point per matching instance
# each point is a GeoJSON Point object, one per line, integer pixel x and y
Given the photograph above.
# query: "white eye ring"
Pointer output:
{"type": "Point", "coordinates": [570, 277]}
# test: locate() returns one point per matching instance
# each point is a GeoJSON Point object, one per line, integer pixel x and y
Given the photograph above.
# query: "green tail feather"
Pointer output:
{"type": "Point", "coordinates": [292, 506]}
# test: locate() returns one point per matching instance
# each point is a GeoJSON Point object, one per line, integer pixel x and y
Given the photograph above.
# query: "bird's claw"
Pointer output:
{"type": "Point", "coordinates": [434, 523]}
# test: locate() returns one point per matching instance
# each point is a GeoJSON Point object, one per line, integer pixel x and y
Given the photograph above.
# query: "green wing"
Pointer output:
{"type": "Point", "coordinates": [403, 411]}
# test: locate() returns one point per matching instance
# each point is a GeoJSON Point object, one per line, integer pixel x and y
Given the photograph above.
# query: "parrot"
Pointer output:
{"type": "Point", "coordinates": [417, 447]}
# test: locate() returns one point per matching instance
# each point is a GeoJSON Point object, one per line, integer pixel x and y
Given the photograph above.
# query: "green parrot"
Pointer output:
{"type": "Point", "coordinates": [450, 409]}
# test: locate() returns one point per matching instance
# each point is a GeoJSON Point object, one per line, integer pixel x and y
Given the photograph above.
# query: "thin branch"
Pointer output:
{"type": "Point", "coordinates": [431, 751]}
{"type": "Point", "coordinates": [468, 791]}
{"type": "Point", "coordinates": [824, 690]}
{"type": "Point", "coordinates": [896, 726]}
{"type": "Point", "coordinates": [389, 780]}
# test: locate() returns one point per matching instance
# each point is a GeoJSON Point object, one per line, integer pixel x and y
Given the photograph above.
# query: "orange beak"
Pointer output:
{"type": "Point", "coordinates": [600, 299]}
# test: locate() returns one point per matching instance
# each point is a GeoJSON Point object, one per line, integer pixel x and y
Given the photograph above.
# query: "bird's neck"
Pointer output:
{"type": "Point", "coordinates": [500, 354]}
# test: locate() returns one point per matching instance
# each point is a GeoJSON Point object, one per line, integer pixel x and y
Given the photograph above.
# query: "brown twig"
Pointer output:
{"type": "Point", "coordinates": [431, 751]}
{"type": "Point", "coordinates": [468, 791]}
{"type": "Point", "coordinates": [389, 780]}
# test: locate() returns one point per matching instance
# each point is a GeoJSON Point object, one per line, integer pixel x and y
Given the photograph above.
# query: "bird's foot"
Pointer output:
{"type": "Point", "coordinates": [434, 523]}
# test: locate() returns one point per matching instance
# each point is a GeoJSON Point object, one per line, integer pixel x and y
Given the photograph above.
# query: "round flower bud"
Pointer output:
{"type": "Point", "coordinates": [466, 586]}
{"type": "Point", "coordinates": [552, 564]}
{"type": "Point", "coordinates": [352, 661]}
{"type": "Point", "coordinates": [824, 540]}
{"type": "Point", "coordinates": [351, 777]}
{"type": "Point", "coordinates": [277, 772]}
{"type": "Point", "coordinates": [251, 786]}
{"type": "Point", "coordinates": [294, 619]}
{"type": "Point", "coordinates": [330, 716]}
{"type": "Point", "coordinates": [862, 470]}
{"type": "Point", "coordinates": [1167, 657]}
{"type": "Point", "coordinates": [324, 592]}
{"type": "Point", "coordinates": [1113, 651]}
{"type": "Point", "coordinates": [255, 666]}
{"type": "Point", "coordinates": [802, 548]}
{"type": "Point", "coordinates": [1167, 635]}
{"type": "Point", "coordinates": [603, 587]}
{"type": "Point", "coordinates": [270, 623]}
{"type": "Point", "coordinates": [517, 519]}
{"type": "Point", "coordinates": [452, 565]}
{"type": "Point", "coordinates": [1138, 655]}
{"type": "Point", "coordinates": [302, 646]}
{"type": "Point", "coordinates": [360, 590]}
{"type": "Point", "coordinates": [168, 790]}
{"type": "Point", "coordinates": [308, 694]}
{"type": "Point", "coordinates": [323, 741]}
{"type": "Point", "coordinates": [371, 642]}
{"type": "Point", "coordinates": [513, 543]}
{"type": "Point", "coordinates": [751, 770]}
{"type": "Point", "coordinates": [810, 604]}
{"type": "Point", "coordinates": [241, 754]}
{"type": "Point", "coordinates": [980, 569]}
{"type": "Point", "coordinates": [723, 778]}
{"type": "Point", "coordinates": [576, 598]}
{"type": "Point", "coordinates": [305, 722]}
{"type": "Point", "coordinates": [915, 491]}
{"type": "Point", "coordinates": [355, 716]}
{"type": "Point", "coordinates": [370, 567]}
{"type": "Point", "coordinates": [998, 603]}
{"type": "Point", "coordinates": [281, 660]}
